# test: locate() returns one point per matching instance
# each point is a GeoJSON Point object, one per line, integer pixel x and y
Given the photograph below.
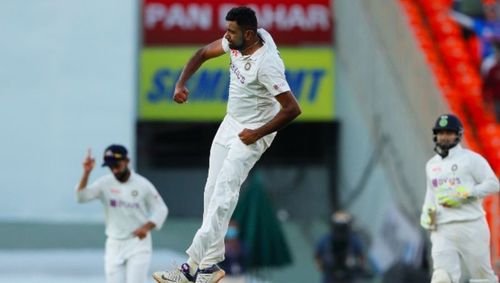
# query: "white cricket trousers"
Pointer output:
{"type": "Point", "coordinates": [230, 162]}
{"type": "Point", "coordinates": [127, 261]}
{"type": "Point", "coordinates": [466, 242]}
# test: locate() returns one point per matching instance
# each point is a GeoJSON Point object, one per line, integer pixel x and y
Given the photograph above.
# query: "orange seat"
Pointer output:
{"type": "Point", "coordinates": [455, 66]}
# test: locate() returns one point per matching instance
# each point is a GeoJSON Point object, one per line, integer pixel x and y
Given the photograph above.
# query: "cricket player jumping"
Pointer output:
{"type": "Point", "coordinates": [260, 103]}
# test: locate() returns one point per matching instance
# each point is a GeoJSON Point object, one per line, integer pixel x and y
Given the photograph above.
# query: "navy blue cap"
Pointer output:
{"type": "Point", "coordinates": [113, 154]}
{"type": "Point", "coordinates": [448, 122]}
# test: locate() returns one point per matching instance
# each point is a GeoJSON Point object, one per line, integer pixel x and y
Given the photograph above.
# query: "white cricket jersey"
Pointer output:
{"type": "Point", "coordinates": [462, 167]}
{"type": "Point", "coordinates": [127, 206]}
{"type": "Point", "coordinates": [254, 81]}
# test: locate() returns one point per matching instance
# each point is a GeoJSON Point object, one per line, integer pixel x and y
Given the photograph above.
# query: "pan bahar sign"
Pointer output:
{"type": "Point", "coordinates": [173, 22]}
{"type": "Point", "coordinates": [309, 72]}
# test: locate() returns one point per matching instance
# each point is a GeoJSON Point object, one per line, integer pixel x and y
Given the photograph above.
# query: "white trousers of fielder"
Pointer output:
{"type": "Point", "coordinates": [230, 162]}
{"type": "Point", "coordinates": [127, 261]}
{"type": "Point", "coordinates": [466, 242]}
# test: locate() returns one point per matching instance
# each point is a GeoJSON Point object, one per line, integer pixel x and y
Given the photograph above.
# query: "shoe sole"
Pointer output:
{"type": "Point", "coordinates": [159, 280]}
{"type": "Point", "coordinates": [220, 276]}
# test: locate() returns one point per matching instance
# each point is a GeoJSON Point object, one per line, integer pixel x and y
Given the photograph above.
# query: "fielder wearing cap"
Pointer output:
{"type": "Point", "coordinates": [132, 208]}
{"type": "Point", "coordinates": [113, 154]}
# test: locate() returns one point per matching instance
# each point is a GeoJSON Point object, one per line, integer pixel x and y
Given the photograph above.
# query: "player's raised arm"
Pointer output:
{"type": "Point", "coordinates": [88, 165]}
{"type": "Point", "coordinates": [203, 54]}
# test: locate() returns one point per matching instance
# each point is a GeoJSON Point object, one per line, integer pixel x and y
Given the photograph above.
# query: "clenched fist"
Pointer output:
{"type": "Point", "coordinates": [181, 94]}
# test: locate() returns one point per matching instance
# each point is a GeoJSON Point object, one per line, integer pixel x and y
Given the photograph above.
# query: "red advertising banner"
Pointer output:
{"type": "Point", "coordinates": [177, 22]}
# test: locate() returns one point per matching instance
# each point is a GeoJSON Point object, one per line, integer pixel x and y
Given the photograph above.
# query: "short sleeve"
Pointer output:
{"type": "Point", "coordinates": [272, 75]}
{"type": "Point", "coordinates": [225, 45]}
{"type": "Point", "coordinates": [91, 192]}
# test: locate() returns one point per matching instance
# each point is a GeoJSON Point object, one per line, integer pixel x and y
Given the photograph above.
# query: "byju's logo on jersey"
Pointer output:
{"type": "Point", "coordinates": [123, 204]}
{"type": "Point", "coordinates": [451, 182]}
{"type": "Point", "coordinates": [237, 73]}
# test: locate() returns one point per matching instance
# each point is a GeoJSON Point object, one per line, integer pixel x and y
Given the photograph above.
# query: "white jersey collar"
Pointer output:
{"type": "Point", "coordinates": [454, 150]}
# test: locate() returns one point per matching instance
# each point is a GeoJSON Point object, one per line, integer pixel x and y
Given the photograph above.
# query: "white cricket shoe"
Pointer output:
{"type": "Point", "coordinates": [212, 274]}
{"type": "Point", "coordinates": [178, 275]}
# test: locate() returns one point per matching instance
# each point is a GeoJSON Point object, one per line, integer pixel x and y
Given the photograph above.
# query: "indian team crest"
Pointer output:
{"type": "Point", "coordinates": [134, 193]}
{"type": "Point", "coordinates": [443, 121]}
{"type": "Point", "coordinates": [454, 167]}
{"type": "Point", "coordinates": [248, 66]}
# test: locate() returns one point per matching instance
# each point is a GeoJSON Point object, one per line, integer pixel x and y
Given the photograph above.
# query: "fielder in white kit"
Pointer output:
{"type": "Point", "coordinates": [132, 208]}
{"type": "Point", "coordinates": [260, 103]}
{"type": "Point", "coordinates": [457, 181]}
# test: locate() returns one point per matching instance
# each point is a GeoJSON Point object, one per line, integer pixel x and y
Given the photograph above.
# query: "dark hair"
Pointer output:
{"type": "Point", "coordinates": [244, 17]}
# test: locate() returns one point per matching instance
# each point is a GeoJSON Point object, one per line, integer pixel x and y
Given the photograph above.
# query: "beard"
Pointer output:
{"type": "Point", "coordinates": [237, 46]}
{"type": "Point", "coordinates": [122, 176]}
{"type": "Point", "coordinates": [443, 145]}
{"type": "Point", "coordinates": [443, 148]}
{"type": "Point", "coordinates": [446, 145]}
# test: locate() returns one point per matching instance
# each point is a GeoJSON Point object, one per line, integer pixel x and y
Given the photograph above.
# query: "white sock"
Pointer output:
{"type": "Point", "coordinates": [193, 266]}
{"type": "Point", "coordinates": [203, 266]}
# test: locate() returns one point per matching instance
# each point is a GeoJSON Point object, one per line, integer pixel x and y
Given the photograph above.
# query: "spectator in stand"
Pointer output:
{"type": "Point", "coordinates": [491, 84]}
{"type": "Point", "coordinates": [487, 28]}
{"type": "Point", "coordinates": [472, 8]}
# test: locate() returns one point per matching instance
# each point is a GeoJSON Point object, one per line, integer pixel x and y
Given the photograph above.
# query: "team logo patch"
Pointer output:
{"type": "Point", "coordinates": [443, 121]}
{"type": "Point", "coordinates": [248, 66]}
{"type": "Point", "coordinates": [135, 193]}
{"type": "Point", "coordinates": [109, 153]}
{"type": "Point", "coordinates": [454, 167]}
{"type": "Point", "coordinates": [279, 85]}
